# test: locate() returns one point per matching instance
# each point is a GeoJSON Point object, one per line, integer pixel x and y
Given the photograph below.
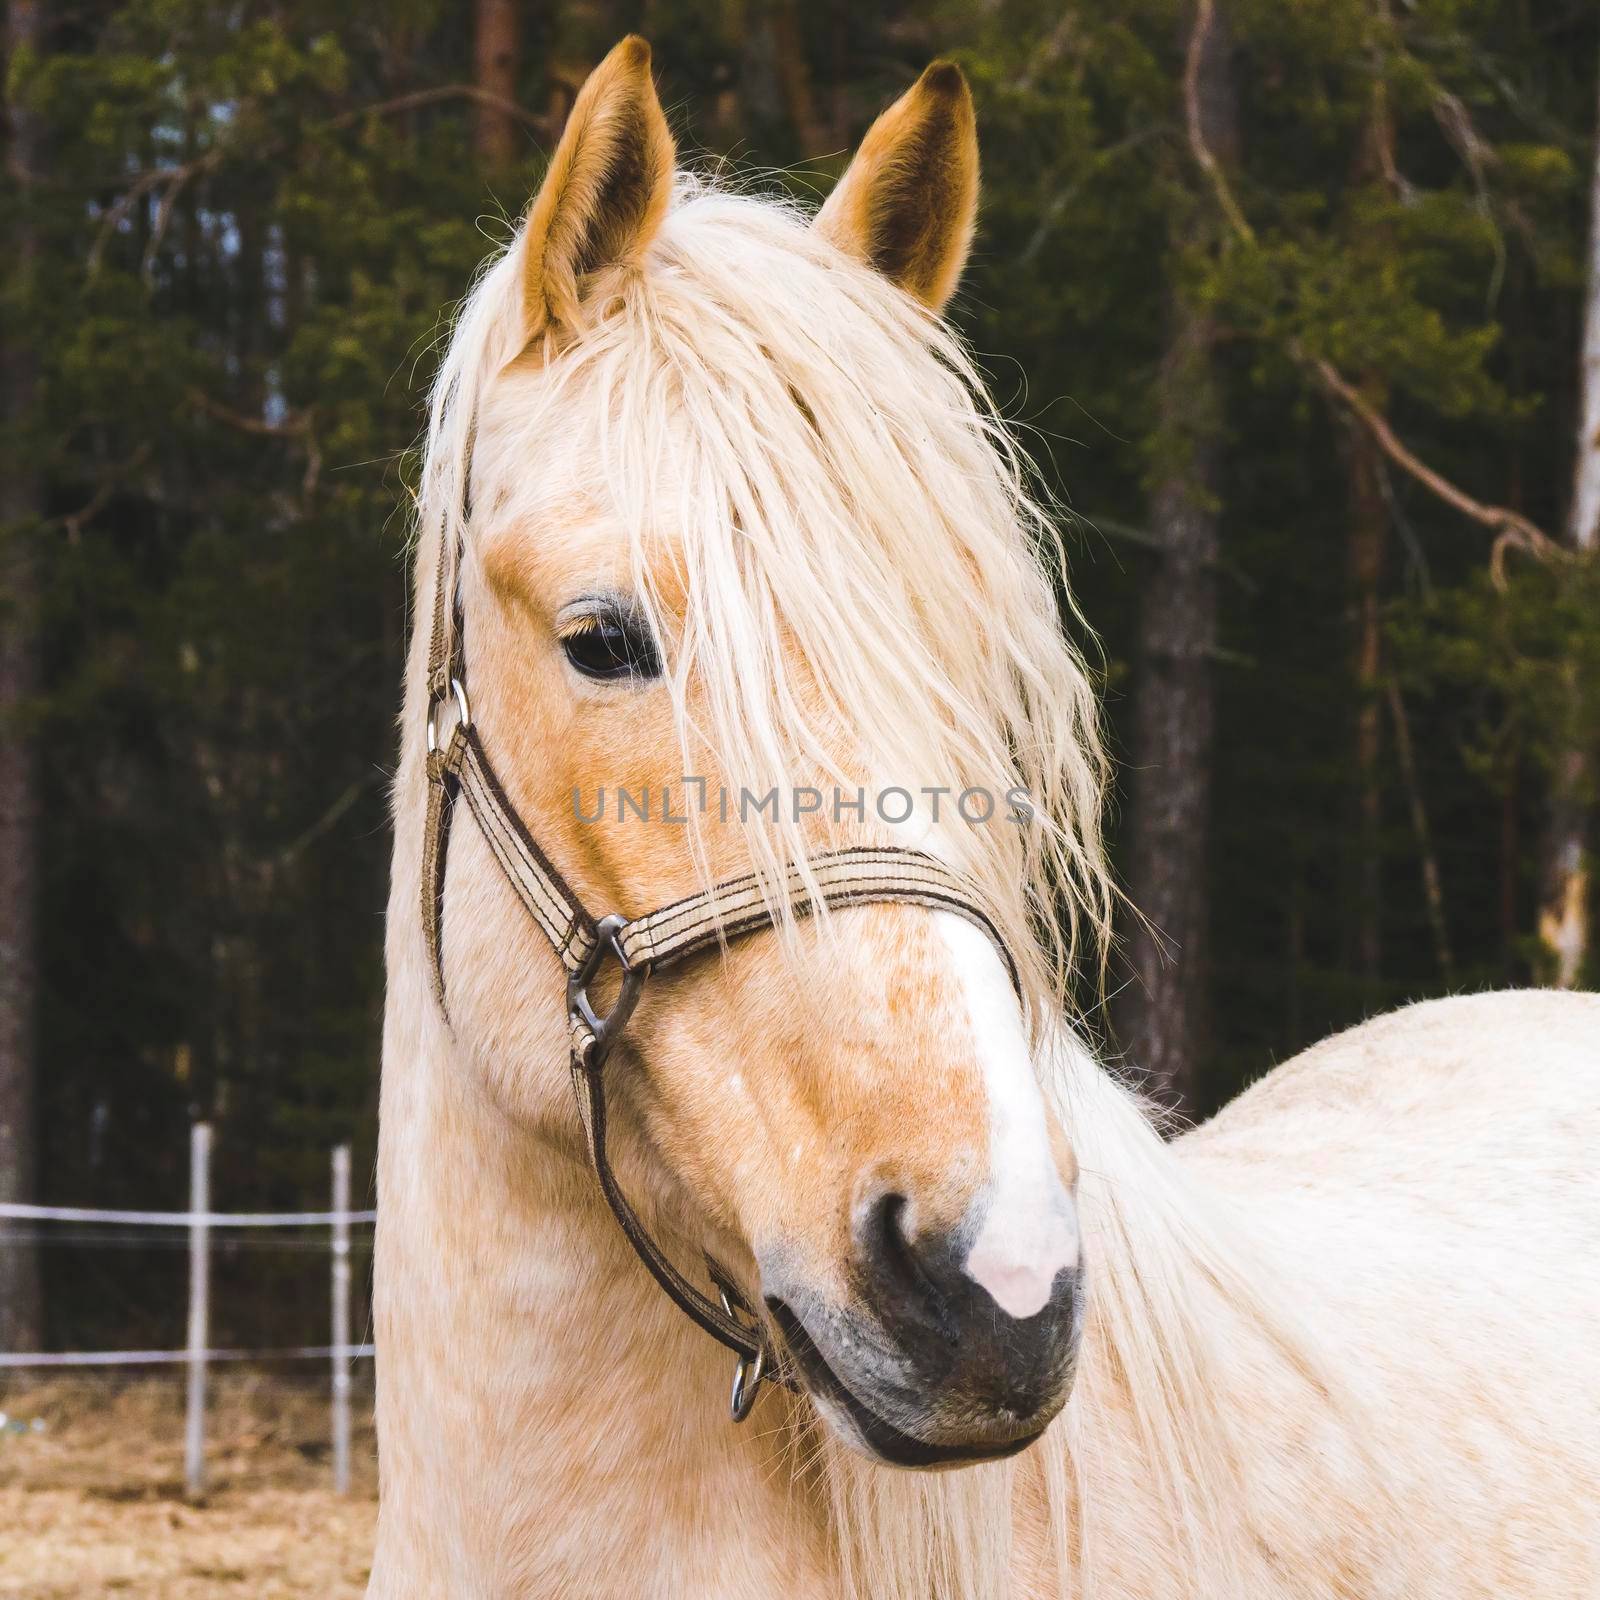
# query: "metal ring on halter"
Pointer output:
{"type": "Point", "coordinates": [463, 706]}
{"type": "Point", "coordinates": [747, 1374]}
{"type": "Point", "coordinates": [747, 1377]}
{"type": "Point", "coordinates": [602, 1031]}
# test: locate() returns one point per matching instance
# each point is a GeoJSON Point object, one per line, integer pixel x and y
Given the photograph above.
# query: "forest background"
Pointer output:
{"type": "Point", "coordinates": [1291, 301]}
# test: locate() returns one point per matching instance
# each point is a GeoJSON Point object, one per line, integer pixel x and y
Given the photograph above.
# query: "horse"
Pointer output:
{"type": "Point", "coordinates": [738, 557]}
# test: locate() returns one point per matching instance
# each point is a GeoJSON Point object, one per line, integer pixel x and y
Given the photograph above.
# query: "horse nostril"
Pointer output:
{"type": "Point", "coordinates": [886, 1220]}
{"type": "Point", "coordinates": [901, 1281]}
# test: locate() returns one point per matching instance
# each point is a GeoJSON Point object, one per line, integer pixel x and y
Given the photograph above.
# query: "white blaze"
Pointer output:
{"type": "Point", "coordinates": [1030, 1229]}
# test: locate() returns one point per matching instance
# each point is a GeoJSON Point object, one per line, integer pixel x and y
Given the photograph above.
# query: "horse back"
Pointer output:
{"type": "Point", "coordinates": [1500, 1084]}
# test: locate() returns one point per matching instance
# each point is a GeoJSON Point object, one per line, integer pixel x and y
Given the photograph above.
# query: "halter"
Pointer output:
{"type": "Point", "coordinates": [459, 765]}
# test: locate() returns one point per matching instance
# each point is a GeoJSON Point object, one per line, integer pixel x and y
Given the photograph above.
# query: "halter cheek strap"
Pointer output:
{"type": "Point", "coordinates": [459, 768]}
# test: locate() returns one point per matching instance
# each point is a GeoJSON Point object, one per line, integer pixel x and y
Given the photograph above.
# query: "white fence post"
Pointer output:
{"type": "Point", "coordinates": [194, 1435]}
{"type": "Point", "coordinates": [341, 1319]}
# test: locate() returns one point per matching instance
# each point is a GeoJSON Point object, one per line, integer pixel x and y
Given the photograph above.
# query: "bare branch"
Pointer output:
{"type": "Point", "coordinates": [1432, 885]}
{"type": "Point", "coordinates": [1380, 130]}
{"type": "Point", "coordinates": [1512, 529]}
{"type": "Point", "coordinates": [419, 98]}
{"type": "Point", "coordinates": [119, 211]}
{"type": "Point", "coordinates": [1455, 121]}
{"type": "Point", "coordinates": [292, 426]}
{"type": "Point", "coordinates": [329, 819]}
{"type": "Point", "coordinates": [180, 178]}
{"type": "Point", "coordinates": [74, 521]}
{"type": "Point", "coordinates": [1205, 157]}
{"type": "Point", "coordinates": [1477, 155]}
{"type": "Point", "coordinates": [1045, 55]}
{"type": "Point", "coordinates": [297, 425]}
{"type": "Point", "coordinates": [1062, 197]}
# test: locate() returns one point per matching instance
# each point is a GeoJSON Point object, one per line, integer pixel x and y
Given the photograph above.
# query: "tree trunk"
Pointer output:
{"type": "Point", "coordinates": [1368, 535]}
{"type": "Point", "coordinates": [1432, 880]}
{"type": "Point", "coordinates": [1170, 811]}
{"type": "Point", "coordinates": [495, 56]}
{"type": "Point", "coordinates": [794, 75]}
{"type": "Point", "coordinates": [1564, 928]}
{"type": "Point", "coordinates": [19, 515]}
{"type": "Point", "coordinates": [1162, 1019]}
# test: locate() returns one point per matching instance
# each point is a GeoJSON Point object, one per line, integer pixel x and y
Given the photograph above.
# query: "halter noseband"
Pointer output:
{"type": "Point", "coordinates": [458, 765]}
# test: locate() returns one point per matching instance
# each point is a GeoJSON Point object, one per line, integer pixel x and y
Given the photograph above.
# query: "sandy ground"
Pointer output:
{"type": "Point", "coordinates": [93, 1505]}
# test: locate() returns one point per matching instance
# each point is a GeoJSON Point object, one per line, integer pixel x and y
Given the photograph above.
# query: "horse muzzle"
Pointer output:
{"type": "Point", "coordinates": [923, 1367]}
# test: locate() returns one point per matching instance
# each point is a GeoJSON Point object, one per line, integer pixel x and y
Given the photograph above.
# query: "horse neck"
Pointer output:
{"type": "Point", "coordinates": [549, 1423]}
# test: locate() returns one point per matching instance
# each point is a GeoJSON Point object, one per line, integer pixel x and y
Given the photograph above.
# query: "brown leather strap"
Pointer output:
{"type": "Point", "coordinates": [856, 876]}
{"type": "Point", "coordinates": [744, 1339]}
{"type": "Point", "coordinates": [440, 637]}
{"type": "Point", "coordinates": [447, 630]}
{"type": "Point", "coordinates": [435, 841]}
{"type": "Point", "coordinates": [542, 890]}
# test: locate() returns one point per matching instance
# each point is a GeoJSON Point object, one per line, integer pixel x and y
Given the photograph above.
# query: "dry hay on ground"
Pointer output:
{"type": "Point", "coordinates": [94, 1504]}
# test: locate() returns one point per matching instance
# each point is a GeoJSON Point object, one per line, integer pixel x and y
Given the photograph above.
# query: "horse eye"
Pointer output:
{"type": "Point", "coordinates": [609, 646]}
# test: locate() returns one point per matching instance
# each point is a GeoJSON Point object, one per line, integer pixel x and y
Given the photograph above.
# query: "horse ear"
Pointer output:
{"type": "Point", "coordinates": [606, 191]}
{"type": "Point", "coordinates": [908, 201]}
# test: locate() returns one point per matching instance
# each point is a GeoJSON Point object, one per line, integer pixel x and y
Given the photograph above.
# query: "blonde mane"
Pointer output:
{"type": "Point", "coordinates": [845, 494]}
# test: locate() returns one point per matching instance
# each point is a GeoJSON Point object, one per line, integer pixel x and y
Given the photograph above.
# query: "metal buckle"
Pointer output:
{"type": "Point", "coordinates": [603, 1030]}
{"type": "Point", "coordinates": [463, 706]}
{"type": "Point", "coordinates": [747, 1374]}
